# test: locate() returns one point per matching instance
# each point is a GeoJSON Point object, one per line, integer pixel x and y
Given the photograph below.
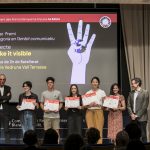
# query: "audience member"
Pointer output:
{"type": "Point", "coordinates": [122, 140]}
{"type": "Point", "coordinates": [50, 137]}
{"type": "Point", "coordinates": [133, 131]}
{"type": "Point", "coordinates": [73, 142]}
{"type": "Point", "coordinates": [92, 135]}
{"type": "Point", "coordinates": [30, 139]}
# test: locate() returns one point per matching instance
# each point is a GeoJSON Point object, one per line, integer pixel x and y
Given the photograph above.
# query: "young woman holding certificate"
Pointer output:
{"type": "Point", "coordinates": [115, 120]}
{"type": "Point", "coordinates": [28, 102]}
{"type": "Point", "coordinates": [73, 106]}
{"type": "Point", "coordinates": [94, 112]}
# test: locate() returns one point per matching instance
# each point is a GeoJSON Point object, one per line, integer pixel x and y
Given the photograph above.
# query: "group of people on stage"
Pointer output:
{"type": "Point", "coordinates": [137, 104]}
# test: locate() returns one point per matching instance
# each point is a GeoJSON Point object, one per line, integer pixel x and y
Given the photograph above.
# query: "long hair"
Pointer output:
{"type": "Point", "coordinates": [70, 91]}
{"type": "Point", "coordinates": [111, 89]}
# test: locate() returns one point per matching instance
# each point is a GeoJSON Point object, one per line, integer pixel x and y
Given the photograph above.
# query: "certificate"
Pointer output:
{"type": "Point", "coordinates": [111, 101]}
{"type": "Point", "coordinates": [27, 104]}
{"type": "Point", "coordinates": [51, 105]}
{"type": "Point", "coordinates": [89, 98]}
{"type": "Point", "coordinates": [72, 102]}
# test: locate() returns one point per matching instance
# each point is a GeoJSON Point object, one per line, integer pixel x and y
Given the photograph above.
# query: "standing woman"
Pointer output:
{"type": "Point", "coordinates": [94, 112]}
{"type": "Point", "coordinates": [27, 116]}
{"type": "Point", "coordinates": [115, 120]}
{"type": "Point", "coordinates": [74, 115]}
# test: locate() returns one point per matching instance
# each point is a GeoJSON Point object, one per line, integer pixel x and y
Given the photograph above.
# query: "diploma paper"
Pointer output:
{"type": "Point", "coordinates": [111, 102]}
{"type": "Point", "coordinates": [27, 104]}
{"type": "Point", "coordinates": [72, 102]}
{"type": "Point", "coordinates": [51, 105]}
{"type": "Point", "coordinates": [89, 98]}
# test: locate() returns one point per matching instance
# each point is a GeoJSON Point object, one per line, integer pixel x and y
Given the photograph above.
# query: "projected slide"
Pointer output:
{"type": "Point", "coordinates": [71, 47]}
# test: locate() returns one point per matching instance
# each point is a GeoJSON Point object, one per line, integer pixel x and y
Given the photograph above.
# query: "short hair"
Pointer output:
{"type": "Point", "coordinates": [96, 78]}
{"type": "Point", "coordinates": [122, 138]}
{"type": "Point", "coordinates": [73, 142]}
{"type": "Point", "coordinates": [30, 137]}
{"type": "Point", "coordinates": [133, 131]}
{"type": "Point", "coordinates": [50, 137]}
{"type": "Point", "coordinates": [28, 83]}
{"type": "Point", "coordinates": [93, 135]}
{"type": "Point", "coordinates": [50, 78]}
{"type": "Point", "coordinates": [3, 75]}
{"type": "Point", "coordinates": [137, 80]}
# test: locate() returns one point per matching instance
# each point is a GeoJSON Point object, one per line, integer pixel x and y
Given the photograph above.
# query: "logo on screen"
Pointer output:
{"type": "Point", "coordinates": [105, 22]}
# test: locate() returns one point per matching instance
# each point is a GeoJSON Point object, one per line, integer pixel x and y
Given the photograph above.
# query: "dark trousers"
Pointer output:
{"type": "Point", "coordinates": [4, 122]}
{"type": "Point", "coordinates": [142, 125]}
{"type": "Point", "coordinates": [74, 123]}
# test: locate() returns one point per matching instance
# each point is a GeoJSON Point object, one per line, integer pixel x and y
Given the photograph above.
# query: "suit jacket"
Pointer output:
{"type": "Point", "coordinates": [142, 102]}
{"type": "Point", "coordinates": [4, 100]}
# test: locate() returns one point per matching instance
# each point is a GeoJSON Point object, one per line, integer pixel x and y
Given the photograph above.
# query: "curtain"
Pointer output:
{"type": "Point", "coordinates": [135, 21]}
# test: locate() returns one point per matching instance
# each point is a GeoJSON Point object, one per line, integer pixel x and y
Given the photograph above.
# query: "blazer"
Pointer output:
{"type": "Point", "coordinates": [4, 100]}
{"type": "Point", "coordinates": [142, 102]}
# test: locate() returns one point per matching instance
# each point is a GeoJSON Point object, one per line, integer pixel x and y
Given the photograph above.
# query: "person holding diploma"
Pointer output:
{"type": "Point", "coordinates": [94, 113]}
{"type": "Point", "coordinates": [74, 115]}
{"type": "Point", "coordinates": [115, 120]}
{"type": "Point", "coordinates": [51, 116]}
{"type": "Point", "coordinates": [27, 115]}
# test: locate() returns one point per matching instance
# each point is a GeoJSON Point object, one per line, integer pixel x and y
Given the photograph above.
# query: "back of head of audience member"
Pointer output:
{"type": "Point", "coordinates": [73, 142]}
{"type": "Point", "coordinates": [122, 139]}
{"type": "Point", "coordinates": [30, 138]}
{"type": "Point", "coordinates": [133, 131]}
{"type": "Point", "coordinates": [92, 135]}
{"type": "Point", "coordinates": [135, 145]}
{"type": "Point", "coordinates": [50, 137]}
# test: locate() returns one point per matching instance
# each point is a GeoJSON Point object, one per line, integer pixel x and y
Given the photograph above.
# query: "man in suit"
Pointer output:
{"type": "Point", "coordinates": [137, 105]}
{"type": "Point", "coordinates": [5, 96]}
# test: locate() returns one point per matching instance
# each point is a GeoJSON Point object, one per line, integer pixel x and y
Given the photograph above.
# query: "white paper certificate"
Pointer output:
{"type": "Point", "coordinates": [89, 98]}
{"type": "Point", "coordinates": [27, 104]}
{"type": "Point", "coordinates": [72, 102]}
{"type": "Point", "coordinates": [111, 102]}
{"type": "Point", "coordinates": [51, 105]}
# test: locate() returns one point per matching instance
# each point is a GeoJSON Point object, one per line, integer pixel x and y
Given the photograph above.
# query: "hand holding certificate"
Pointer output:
{"type": "Point", "coordinates": [27, 104]}
{"type": "Point", "coordinates": [51, 105]}
{"type": "Point", "coordinates": [72, 102]}
{"type": "Point", "coordinates": [111, 102]}
{"type": "Point", "coordinates": [90, 98]}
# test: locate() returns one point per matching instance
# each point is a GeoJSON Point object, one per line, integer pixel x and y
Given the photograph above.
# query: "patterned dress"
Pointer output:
{"type": "Point", "coordinates": [115, 121]}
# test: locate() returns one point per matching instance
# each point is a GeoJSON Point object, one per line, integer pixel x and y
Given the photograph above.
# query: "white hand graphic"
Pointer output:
{"type": "Point", "coordinates": [79, 52]}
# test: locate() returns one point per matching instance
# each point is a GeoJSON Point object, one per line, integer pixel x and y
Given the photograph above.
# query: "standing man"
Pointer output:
{"type": "Point", "coordinates": [51, 118]}
{"type": "Point", "coordinates": [5, 96]}
{"type": "Point", "coordinates": [138, 101]}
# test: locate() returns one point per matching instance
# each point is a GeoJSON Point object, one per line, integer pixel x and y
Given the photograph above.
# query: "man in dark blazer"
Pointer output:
{"type": "Point", "coordinates": [5, 96]}
{"type": "Point", "coordinates": [137, 105]}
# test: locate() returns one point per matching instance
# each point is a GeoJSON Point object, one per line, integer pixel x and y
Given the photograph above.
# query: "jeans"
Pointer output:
{"type": "Point", "coordinates": [27, 121]}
